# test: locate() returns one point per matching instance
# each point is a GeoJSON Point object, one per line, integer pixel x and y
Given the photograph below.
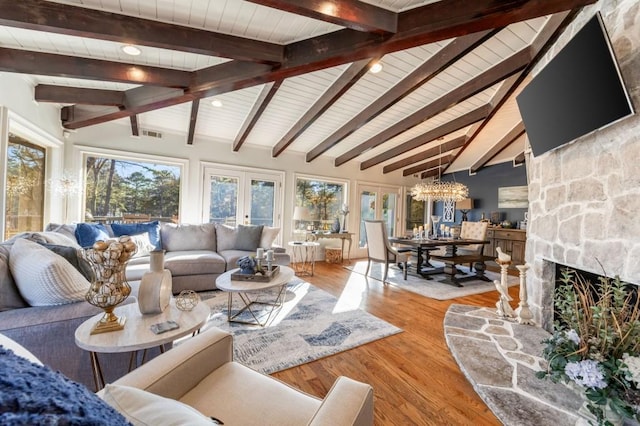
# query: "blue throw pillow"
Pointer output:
{"type": "Point", "coordinates": [32, 394]}
{"type": "Point", "coordinates": [153, 228]}
{"type": "Point", "coordinates": [88, 233]}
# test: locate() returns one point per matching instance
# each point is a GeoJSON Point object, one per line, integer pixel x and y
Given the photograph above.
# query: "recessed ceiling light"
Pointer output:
{"type": "Point", "coordinates": [375, 68]}
{"type": "Point", "coordinates": [216, 103]}
{"type": "Point", "coordinates": [131, 50]}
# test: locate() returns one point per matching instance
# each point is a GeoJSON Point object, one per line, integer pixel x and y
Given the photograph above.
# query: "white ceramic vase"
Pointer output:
{"type": "Point", "coordinates": [155, 288]}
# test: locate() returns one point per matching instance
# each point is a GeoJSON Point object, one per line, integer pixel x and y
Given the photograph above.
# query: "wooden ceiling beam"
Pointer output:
{"type": "Point", "coordinates": [339, 87]}
{"type": "Point", "coordinates": [543, 41]}
{"type": "Point", "coordinates": [451, 126]}
{"type": "Point", "coordinates": [425, 155]}
{"type": "Point", "coordinates": [78, 95]}
{"type": "Point", "coordinates": [344, 46]}
{"type": "Point", "coordinates": [464, 17]}
{"type": "Point", "coordinates": [519, 159]}
{"type": "Point", "coordinates": [505, 141]}
{"type": "Point", "coordinates": [78, 21]}
{"type": "Point", "coordinates": [445, 159]}
{"type": "Point", "coordinates": [352, 14]}
{"type": "Point", "coordinates": [28, 62]}
{"type": "Point", "coordinates": [135, 130]}
{"type": "Point", "coordinates": [193, 119]}
{"type": "Point", "coordinates": [259, 106]}
{"type": "Point", "coordinates": [449, 54]}
{"type": "Point", "coordinates": [488, 78]}
{"type": "Point", "coordinates": [433, 173]}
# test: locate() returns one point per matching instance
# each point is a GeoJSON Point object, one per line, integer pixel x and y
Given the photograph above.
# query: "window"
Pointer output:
{"type": "Point", "coordinates": [322, 200]}
{"type": "Point", "coordinates": [131, 190]}
{"type": "Point", "coordinates": [25, 186]}
{"type": "Point", "coordinates": [415, 213]}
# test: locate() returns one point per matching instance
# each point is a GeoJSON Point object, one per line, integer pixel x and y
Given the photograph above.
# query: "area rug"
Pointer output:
{"type": "Point", "coordinates": [430, 288]}
{"type": "Point", "coordinates": [311, 324]}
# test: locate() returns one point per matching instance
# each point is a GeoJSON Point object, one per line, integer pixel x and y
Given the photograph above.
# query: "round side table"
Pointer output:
{"type": "Point", "coordinates": [137, 334]}
{"type": "Point", "coordinates": [303, 257]}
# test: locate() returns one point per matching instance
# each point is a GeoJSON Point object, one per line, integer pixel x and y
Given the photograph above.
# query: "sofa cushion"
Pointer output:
{"type": "Point", "coordinates": [188, 237]}
{"type": "Point", "coordinates": [10, 297]}
{"type": "Point", "coordinates": [232, 256]}
{"type": "Point", "coordinates": [225, 237]}
{"type": "Point", "coordinates": [269, 235]}
{"type": "Point", "coordinates": [248, 237]}
{"type": "Point", "coordinates": [33, 394]}
{"type": "Point", "coordinates": [88, 233]}
{"type": "Point", "coordinates": [194, 262]}
{"type": "Point", "coordinates": [145, 408]}
{"type": "Point", "coordinates": [43, 277]}
{"type": "Point", "coordinates": [71, 255]}
{"type": "Point", "coordinates": [153, 228]}
{"type": "Point", "coordinates": [67, 229]}
{"type": "Point", "coordinates": [222, 394]}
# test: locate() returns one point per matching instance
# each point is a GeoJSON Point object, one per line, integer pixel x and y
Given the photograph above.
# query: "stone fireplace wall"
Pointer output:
{"type": "Point", "coordinates": [584, 198]}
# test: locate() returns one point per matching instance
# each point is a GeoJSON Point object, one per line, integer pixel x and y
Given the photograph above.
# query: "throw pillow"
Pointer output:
{"type": "Point", "coordinates": [144, 244]}
{"type": "Point", "coordinates": [33, 394]}
{"type": "Point", "coordinates": [248, 237]}
{"type": "Point", "coordinates": [43, 277]}
{"type": "Point", "coordinates": [10, 297]}
{"type": "Point", "coordinates": [225, 237]}
{"type": "Point", "coordinates": [153, 228]}
{"type": "Point", "coordinates": [145, 408]}
{"type": "Point", "coordinates": [73, 257]}
{"type": "Point", "coordinates": [188, 237]}
{"type": "Point", "coordinates": [268, 236]}
{"type": "Point", "coordinates": [88, 233]}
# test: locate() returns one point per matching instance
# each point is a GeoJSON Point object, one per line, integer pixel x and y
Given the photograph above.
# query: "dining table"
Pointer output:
{"type": "Point", "coordinates": [423, 246]}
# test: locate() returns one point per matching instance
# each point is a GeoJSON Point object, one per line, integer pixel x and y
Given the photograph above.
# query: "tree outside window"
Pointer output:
{"type": "Point", "coordinates": [116, 188]}
{"type": "Point", "coordinates": [25, 186]}
{"type": "Point", "coordinates": [322, 199]}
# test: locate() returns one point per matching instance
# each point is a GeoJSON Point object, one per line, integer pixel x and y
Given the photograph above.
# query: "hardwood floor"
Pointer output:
{"type": "Point", "coordinates": [415, 379]}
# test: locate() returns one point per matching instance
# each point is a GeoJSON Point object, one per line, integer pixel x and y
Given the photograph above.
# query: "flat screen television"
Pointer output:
{"type": "Point", "coordinates": [580, 90]}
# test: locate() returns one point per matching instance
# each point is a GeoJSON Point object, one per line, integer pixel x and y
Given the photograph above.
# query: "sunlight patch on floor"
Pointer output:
{"type": "Point", "coordinates": [353, 293]}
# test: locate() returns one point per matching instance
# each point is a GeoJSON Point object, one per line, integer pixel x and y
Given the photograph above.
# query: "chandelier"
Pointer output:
{"type": "Point", "coordinates": [439, 191]}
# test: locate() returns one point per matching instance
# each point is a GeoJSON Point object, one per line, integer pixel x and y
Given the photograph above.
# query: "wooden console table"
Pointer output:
{"type": "Point", "coordinates": [511, 241]}
{"type": "Point", "coordinates": [343, 236]}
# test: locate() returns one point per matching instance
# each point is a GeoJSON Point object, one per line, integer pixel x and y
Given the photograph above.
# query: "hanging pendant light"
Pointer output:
{"type": "Point", "coordinates": [436, 190]}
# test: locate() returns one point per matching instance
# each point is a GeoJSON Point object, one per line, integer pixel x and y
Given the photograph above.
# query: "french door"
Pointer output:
{"type": "Point", "coordinates": [380, 203]}
{"type": "Point", "coordinates": [236, 196]}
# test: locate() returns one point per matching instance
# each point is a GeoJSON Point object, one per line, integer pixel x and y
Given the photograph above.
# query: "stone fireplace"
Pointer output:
{"type": "Point", "coordinates": [584, 198]}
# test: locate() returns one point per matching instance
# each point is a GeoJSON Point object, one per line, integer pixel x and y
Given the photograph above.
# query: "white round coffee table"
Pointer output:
{"type": "Point", "coordinates": [244, 290]}
{"type": "Point", "coordinates": [137, 334]}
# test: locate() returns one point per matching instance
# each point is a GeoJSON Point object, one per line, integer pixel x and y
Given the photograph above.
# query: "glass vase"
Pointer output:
{"type": "Point", "coordinates": [109, 286]}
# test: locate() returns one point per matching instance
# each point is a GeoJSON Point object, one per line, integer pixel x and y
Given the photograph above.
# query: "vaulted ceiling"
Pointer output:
{"type": "Point", "coordinates": [294, 74]}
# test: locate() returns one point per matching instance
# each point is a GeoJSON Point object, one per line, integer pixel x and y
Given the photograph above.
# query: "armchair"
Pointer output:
{"type": "Point", "coordinates": [380, 250]}
{"type": "Point", "coordinates": [201, 373]}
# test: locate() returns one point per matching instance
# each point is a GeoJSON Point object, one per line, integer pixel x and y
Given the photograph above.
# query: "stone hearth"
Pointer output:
{"type": "Point", "coordinates": [500, 359]}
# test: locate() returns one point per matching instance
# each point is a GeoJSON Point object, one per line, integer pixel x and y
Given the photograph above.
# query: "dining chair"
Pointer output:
{"type": "Point", "coordinates": [473, 231]}
{"type": "Point", "coordinates": [380, 250]}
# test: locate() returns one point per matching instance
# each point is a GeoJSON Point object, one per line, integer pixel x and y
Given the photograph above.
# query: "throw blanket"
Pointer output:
{"type": "Point", "coordinates": [32, 394]}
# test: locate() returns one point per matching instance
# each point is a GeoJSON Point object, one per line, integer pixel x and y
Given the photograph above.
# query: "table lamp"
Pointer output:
{"type": "Point", "coordinates": [300, 214]}
{"type": "Point", "coordinates": [464, 206]}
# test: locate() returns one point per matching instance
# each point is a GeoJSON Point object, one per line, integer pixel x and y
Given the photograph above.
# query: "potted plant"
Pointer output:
{"type": "Point", "coordinates": [595, 346]}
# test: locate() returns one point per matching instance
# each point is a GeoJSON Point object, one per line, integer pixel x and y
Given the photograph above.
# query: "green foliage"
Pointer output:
{"type": "Point", "coordinates": [115, 187]}
{"type": "Point", "coordinates": [596, 336]}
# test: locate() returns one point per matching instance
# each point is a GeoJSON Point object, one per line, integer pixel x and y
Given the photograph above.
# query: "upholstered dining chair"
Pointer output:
{"type": "Point", "coordinates": [473, 231]}
{"type": "Point", "coordinates": [380, 250]}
